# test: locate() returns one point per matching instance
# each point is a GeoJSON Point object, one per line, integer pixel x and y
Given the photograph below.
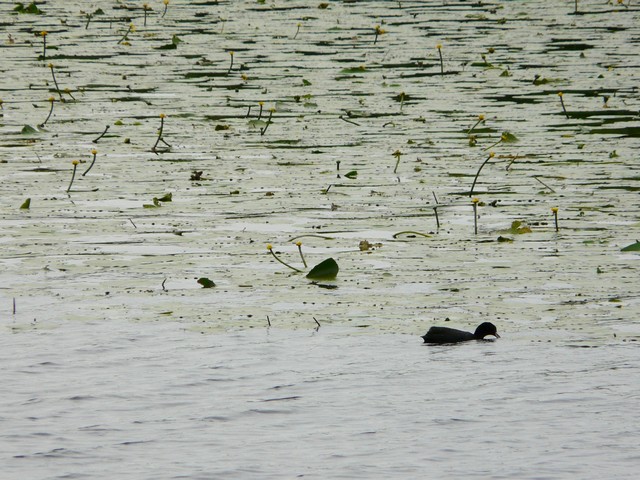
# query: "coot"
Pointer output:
{"type": "Point", "coordinates": [451, 335]}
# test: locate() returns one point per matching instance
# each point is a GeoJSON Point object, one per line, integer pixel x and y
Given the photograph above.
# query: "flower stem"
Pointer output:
{"type": "Point", "coordinates": [73, 175]}
{"type": "Point", "coordinates": [56, 82]}
{"type": "Point", "coordinates": [101, 135]}
{"type": "Point", "coordinates": [491, 155]}
{"type": "Point", "coordinates": [270, 248]}
{"type": "Point", "coordinates": [95, 153]}
{"type": "Point", "coordinates": [51, 100]}
{"type": "Point", "coordinates": [299, 245]}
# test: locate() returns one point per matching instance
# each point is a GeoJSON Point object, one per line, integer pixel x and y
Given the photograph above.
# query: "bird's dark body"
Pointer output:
{"type": "Point", "coordinates": [452, 335]}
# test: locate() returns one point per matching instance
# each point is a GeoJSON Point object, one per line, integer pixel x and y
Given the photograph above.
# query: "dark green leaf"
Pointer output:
{"type": "Point", "coordinates": [28, 130]}
{"type": "Point", "coordinates": [352, 174]}
{"type": "Point", "coordinates": [634, 247]}
{"type": "Point", "coordinates": [206, 283]}
{"type": "Point", "coordinates": [167, 197]}
{"type": "Point", "coordinates": [26, 204]}
{"type": "Point", "coordinates": [326, 270]}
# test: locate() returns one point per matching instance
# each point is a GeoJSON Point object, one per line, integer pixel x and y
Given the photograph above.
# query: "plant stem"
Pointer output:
{"type": "Point", "coordinates": [56, 82]}
{"type": "Point", "coordinates": [480, 120]}
{"type": "Point", "coordinates": [95, 153]}
{"type": "Point", "coordinates": [263, 130]}
{"type": "Point", "coordinates": [261, 104]}
{"type": "Point", "coordinates": [297, 31]}
{"type": "Point", "coordinates": [439, 47]}
{"type": "Point", "coordinates": [73, 175]}
{"type": "Point", "coordinates": [475, 216]}
{"type": "Point", "coordinates": [555, 217]}
{"type": "Point", "coordinates": [435, 210]}
{"type": "Point", "coordinates": [101, 135]}
{"type": "Point", "coordinates": [566, 114]}
{"type": "Point", "coordinates": [51, 100]}
{"type": "Point", "coordinates": [282, 262]}
{"type": "Point", "coordinates": [153, 149]}
{"type": "Point", "coordinates": [397, 154]}
{"type": "Point", "coordinates": [166, 6]}
{"type": "Point", "coordinates": [299, 245]}
{"type": "Point", "coordinates": [491, 155]}
{"type": "Point", "coordinates": [231, 64]}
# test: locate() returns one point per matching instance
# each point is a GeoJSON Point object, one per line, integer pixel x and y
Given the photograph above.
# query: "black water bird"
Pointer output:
{"type": "Point", "coordinates": [451, 335]}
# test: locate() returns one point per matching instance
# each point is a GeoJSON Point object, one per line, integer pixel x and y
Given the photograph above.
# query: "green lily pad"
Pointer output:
{"type": "Point", "coordinates": [26, 204]}
{"type": "Point", "coordinates": [167, 197]}
{"type": "Point", "coordinates": [634, 247]}
{"type": "Point", "coordinates": [29, 130]}
{"type": "Point", "coordinates": [325, 270]}
{"type": "Point", "coordinates": [352, 174]}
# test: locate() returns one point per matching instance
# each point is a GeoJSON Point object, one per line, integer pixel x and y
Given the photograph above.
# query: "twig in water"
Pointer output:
{"type": "Point", "coordinates": [317, 322]}
{"type": "Point", "coordinates": [550, 189]}
{"type": "Point", "coordinates": [491, 155]}
{"type": "Point", "coordinates": [101, 135]}
{"type": "Point", "coordinates": [348, 121]}
{"type": "Point", "coordinates": [134, 225]}
{"type": "Point", "coordinates": [14, 305]}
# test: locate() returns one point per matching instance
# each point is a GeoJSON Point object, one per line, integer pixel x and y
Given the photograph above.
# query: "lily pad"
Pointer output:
{"type": "Point", "coordinates": [634, 247]}
{"type": "Point", "coordinates": [325, 270]}
{"type": "Point", "coordinates": [206, 283]}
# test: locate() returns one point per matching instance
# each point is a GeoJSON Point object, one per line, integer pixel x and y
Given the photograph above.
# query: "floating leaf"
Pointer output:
{"type": "Point", "coordinates": [31, 8]}
{"type": "Point", "coordinates": [26, 204]}
{"type": "Point", "coordinates": [352, 174]}
{"type": "Point", "coordinates": [206, 283]}
{"type": "Point", "coordinates": [168, 197]}
{"type": "Point", "coordinates": [326, 270]}
{"type": "Point", "coordinates": [305, 82]}
{"type": "Point", "coordinates": [518, 227]}
{"type": "Point", "coordinates": [28, 130]}
{"type": "Point", "coordinates": [508, 137]}
{"type": "Point", "coordinates": [634, 247]}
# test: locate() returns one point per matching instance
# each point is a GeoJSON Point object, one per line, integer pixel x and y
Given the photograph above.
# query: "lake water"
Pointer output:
{"type": "Point", "coordinates": [115, 363]}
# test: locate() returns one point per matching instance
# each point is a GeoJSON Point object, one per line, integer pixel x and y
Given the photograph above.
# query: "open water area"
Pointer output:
{"type": "Point", "coordinates": [339, 125]}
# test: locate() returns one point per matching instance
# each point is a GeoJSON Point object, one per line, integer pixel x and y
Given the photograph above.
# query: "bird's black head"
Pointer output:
{"type": "Point", "coordinates": [486, 328]}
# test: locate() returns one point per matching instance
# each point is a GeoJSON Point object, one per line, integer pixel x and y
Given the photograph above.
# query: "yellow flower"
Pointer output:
{"type": "Point", "coordinates": [269, 247]}
{"type": "Point", "coordinates": [475, 200]}
{"type": "Point", "coordinates": [44, 33]}
{"type": "Point", "coordinates": [162, 115]}
{"type": "Point", "coordinates": [272, 109]}
{"type": "Point", "coordinates": [51, 99]}
{"type": "Point", "coordinates": [145, 6]}
{"type": "Point", "coordinates": [132, 27]}
{"type": "Point", "coordinates": [554, 209]}
{"type": "Point", "coordinates": [50, 65]}
{"type": "Point", "coordinates": [75, 163]}
{"type": "Point", "coordinates": [560, 94]}
{"type": "Point", "coordinates": [231, 53]}
{"type": "Point", "coordinates": [299, 244]}
{"type": "Point", "coordinates": [166, 2]}
{"type": "Point", "coordinates": [261, 103]}
{"type": "Point", "coordinates": [439, 46]}
{"type": "Point", "coordinates": [492, 154]}
{"type": "Point", "coordinates": [94, 152]}
{"type": "Point", "coordinates": [480, 117]}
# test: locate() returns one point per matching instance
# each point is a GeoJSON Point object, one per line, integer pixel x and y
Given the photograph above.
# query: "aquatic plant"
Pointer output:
{"type": "Point", "coordinates": [146, 8]}
{"type": "Point", "coordinates": [55, 82]}
{"type": "Point", "coordinates": [94, 152]}
{"type": "Point", "coordinates": [270, 249]}
{"type": "Point", "coordinates": [32, 8]}
{"type": "Point", "coordinates": [299, 245]}
{"type": "Point", "coordinates": [106, 129]}
{"type": "Point", "coordinates": [26, 204]}
{"type": "Point", "coordinates": [263, 130]}
{"type": "Point", "coordinates": [397, 154]}
{"type": "Point", "coordinates": [206, 283]}
{"type": "Point", "coordinates": [73, 175]}
{"type": "Point", "coordinates": [439, 48]}
{"type": "Point", "coordinates": [131, 29]}
{"type": "Point", "coordinates": [160, 139]}
{"type": "Point", "coordinates": [44, 34]}
{"type": "Point", "coordinates": [166, 7]}
{"type": "Point", "coordinates": [554, 210]}
{"type": "Point", "coordinates": [51, 101]}
{"type": "Point", "coordinates": [491, 155]}
{"type": "Point", "coordinates": [231, 63]}
{"type": "Point", "coordinates": [378, 31]}
{"type": "Point", "coordinates": [480, 120]}
{"type": "Point", "coordinates": [564, 109]}
{"type": "Point", "coordinates": [297, 30]}
{"type": "Point", "coordinates": [475, 202]}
